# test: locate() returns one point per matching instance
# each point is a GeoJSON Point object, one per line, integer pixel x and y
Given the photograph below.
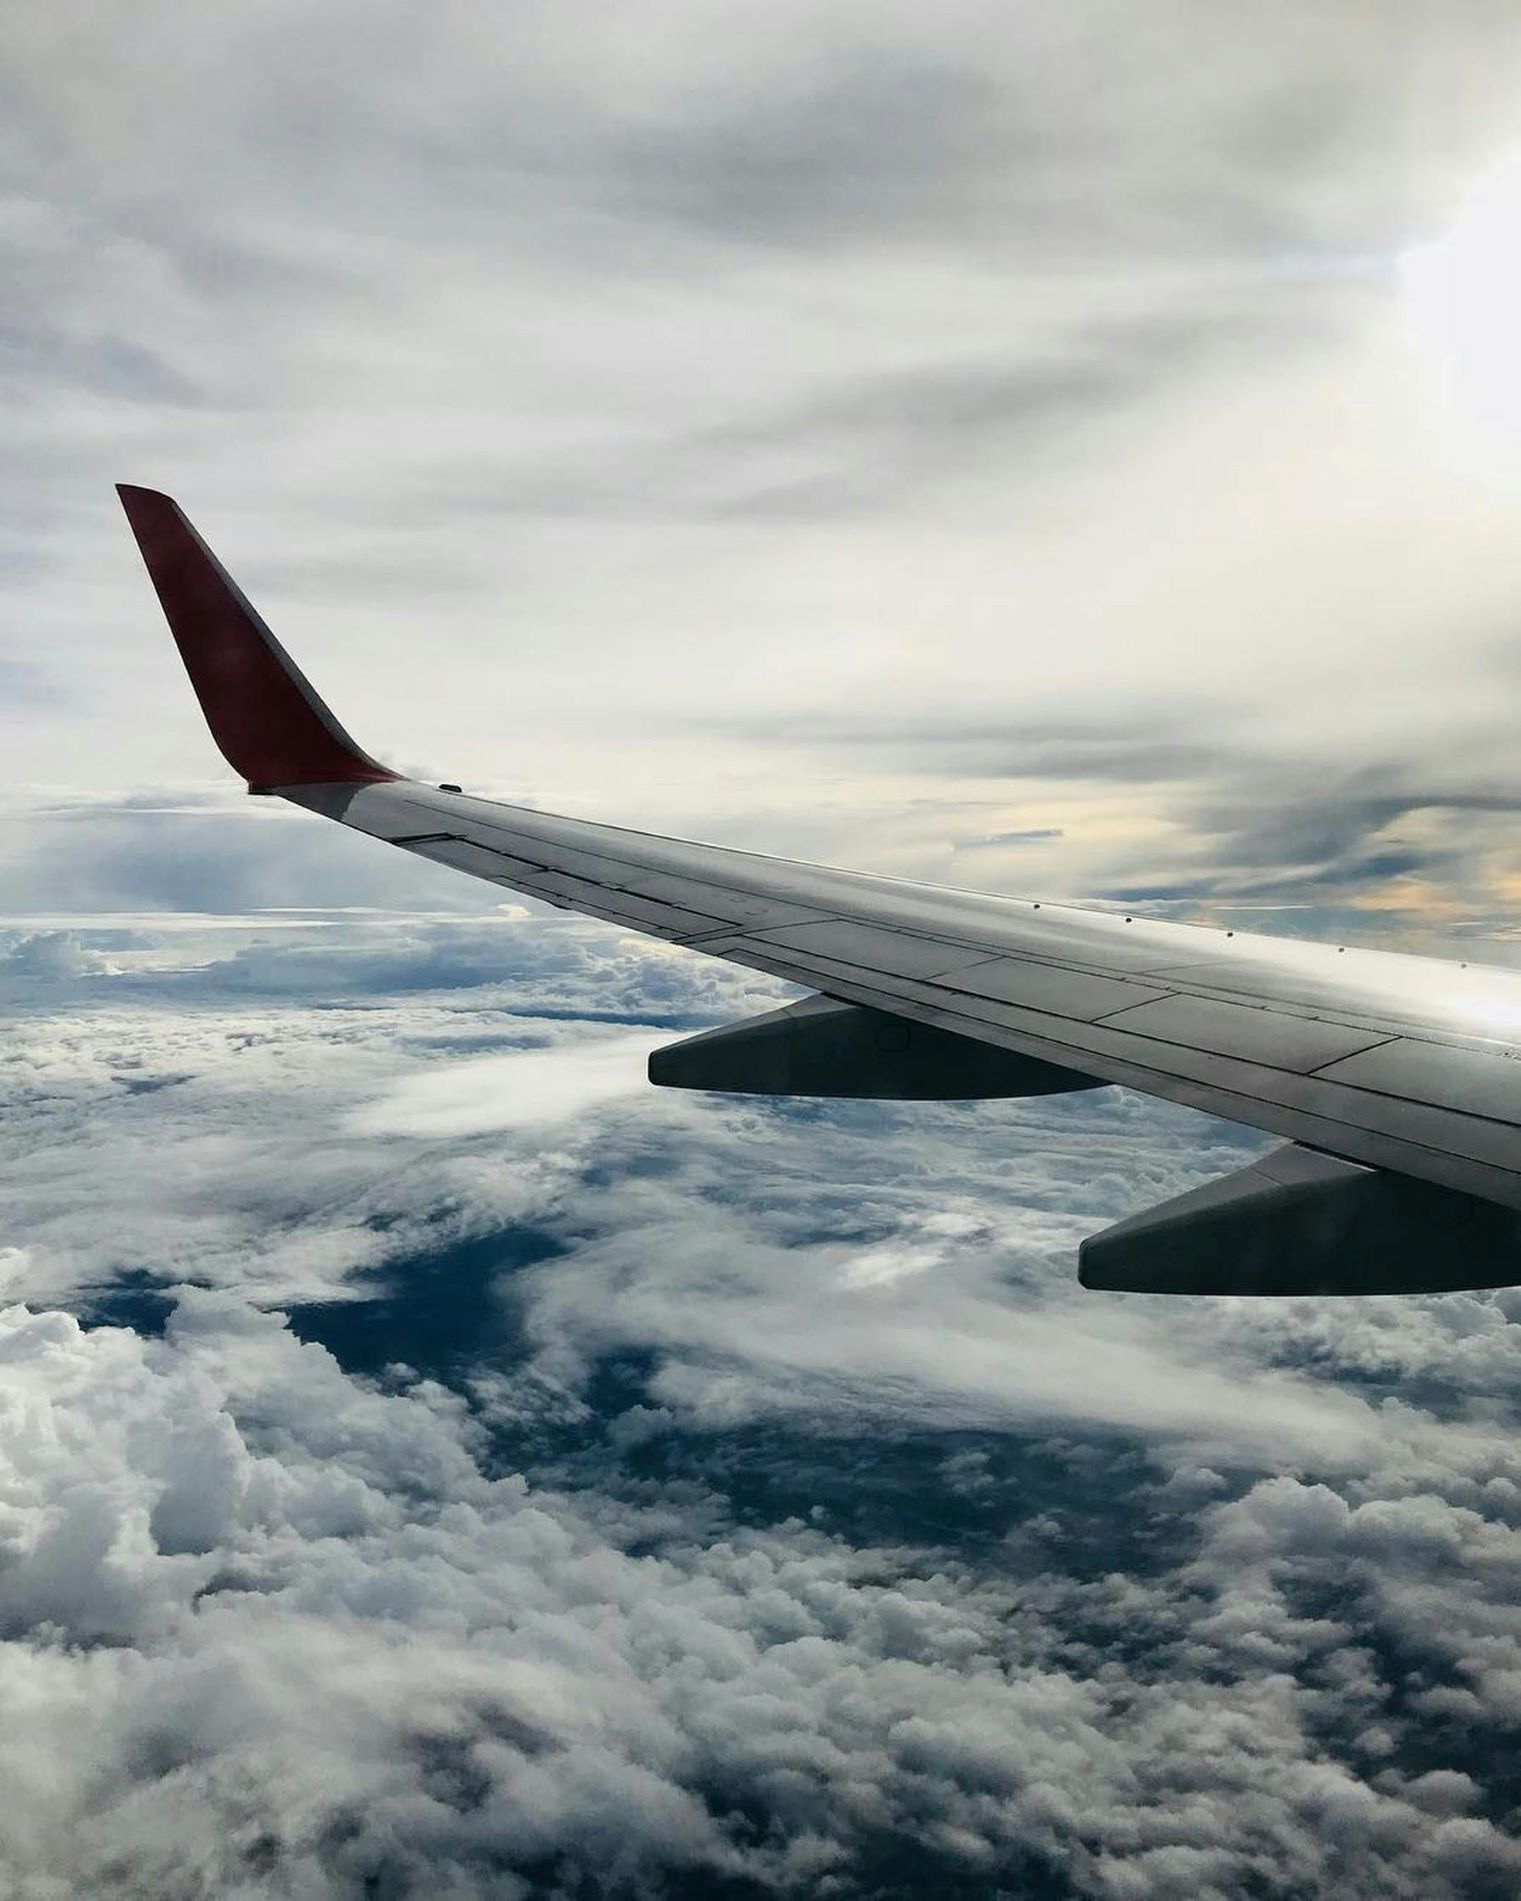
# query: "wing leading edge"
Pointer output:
{"type": "Point", "coordinates": [1404, 1067]}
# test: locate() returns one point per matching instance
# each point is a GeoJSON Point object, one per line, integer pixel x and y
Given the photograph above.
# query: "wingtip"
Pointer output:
{"type": "Point", "coordinates": [143, 505]}
{"type": "Point", "coordinates": [270, 726]}
{"type": "Point", "coordinates": [151, 515]}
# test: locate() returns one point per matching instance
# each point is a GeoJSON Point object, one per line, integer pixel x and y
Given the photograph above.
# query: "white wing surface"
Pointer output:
{"type": "Point", "coordinates": [1397, 1077]}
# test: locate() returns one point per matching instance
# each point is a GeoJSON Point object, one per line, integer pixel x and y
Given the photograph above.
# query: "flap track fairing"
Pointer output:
{"type": "Point", "coordinates": [821, 1047]}
{"type": "Point", "coordinates": [1301, 1222]}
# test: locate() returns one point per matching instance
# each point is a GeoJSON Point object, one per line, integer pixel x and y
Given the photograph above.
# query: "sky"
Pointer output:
{"type": "Point", "coordinates": [1022, 449]}
{"type": "Point", "coordinates": [1060, 451]}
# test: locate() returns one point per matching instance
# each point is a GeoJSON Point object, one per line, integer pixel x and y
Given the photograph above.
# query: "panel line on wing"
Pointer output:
{"type": "Point", "coordinates": [1297, 1044]}
{"type": "Point", "coordinates": [1438, 1145]}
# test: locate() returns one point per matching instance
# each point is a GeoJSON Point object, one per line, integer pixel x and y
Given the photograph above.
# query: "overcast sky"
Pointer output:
{"type": "Point", "coordinates": [1005, 445]}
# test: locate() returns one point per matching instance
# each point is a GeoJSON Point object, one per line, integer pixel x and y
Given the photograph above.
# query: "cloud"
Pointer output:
{"type": "Point", "coordinates": [318, 1152]}
{"type": "Point", "coordinates": [202, 852]}
{"type": "Point", "coordinates": [51, 956]}
{"type": "Point", "coordinates": [191, 1047]}
{"type": "Point", "coordinates": [505, 1092]}
{"type": "Point", "coordinates": [1035, 835]}
{"type": "Point", "coordinates": [716, 1490]}
{"type": "Point", "coordinates": [878, 363]}
{"type": "Point", "coordinates": [1135, 750]}
{"type": "Point", "coordinates": [315, 1641]}
{"type": "Point", "coordinates": [233, 1568]}
{"type": "Point", "coordinates": [858, 148]}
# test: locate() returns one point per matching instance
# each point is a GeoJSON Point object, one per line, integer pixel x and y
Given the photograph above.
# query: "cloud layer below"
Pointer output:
{"type": "Point", "coordinates": [682, 1496]}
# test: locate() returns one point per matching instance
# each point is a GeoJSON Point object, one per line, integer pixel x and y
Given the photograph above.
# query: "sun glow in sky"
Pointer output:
{"type": "Point", "coordinates": [1461, 307]}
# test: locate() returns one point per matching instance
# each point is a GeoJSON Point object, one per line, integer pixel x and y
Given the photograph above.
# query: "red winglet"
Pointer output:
{"type": "Point", "coordinates": [270, 725]}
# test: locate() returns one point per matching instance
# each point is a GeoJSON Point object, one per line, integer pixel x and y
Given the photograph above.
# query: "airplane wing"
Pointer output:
{"type": "Point", "coordinates": [1395, 1080]}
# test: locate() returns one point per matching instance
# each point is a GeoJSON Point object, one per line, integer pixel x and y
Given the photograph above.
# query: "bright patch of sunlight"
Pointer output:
{"type": "Point", "coordinates": [1461, 308]}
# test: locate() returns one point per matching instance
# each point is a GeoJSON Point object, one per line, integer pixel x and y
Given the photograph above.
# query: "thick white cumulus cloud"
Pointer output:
{"type": "Point", "coordinates": [270, 1630]}
{"type": "Point", "coordinates": [268, 1627]}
